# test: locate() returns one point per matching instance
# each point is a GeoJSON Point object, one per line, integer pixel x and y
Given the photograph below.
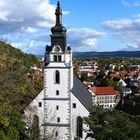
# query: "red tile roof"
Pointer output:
{"type": "Point", "coordinates": [115, 75]}
{"type": "Point", "coordinates": [103, 90]}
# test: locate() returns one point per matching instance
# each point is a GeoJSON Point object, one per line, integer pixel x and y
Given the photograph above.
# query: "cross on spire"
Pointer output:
{"type": "Point", "coordinates": [58, 3]}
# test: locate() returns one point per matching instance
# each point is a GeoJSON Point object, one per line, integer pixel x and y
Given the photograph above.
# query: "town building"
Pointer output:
{"type": "Point", "coordinates": [104, 96]}
{"type": "Point", "coordinates": [125, 91]}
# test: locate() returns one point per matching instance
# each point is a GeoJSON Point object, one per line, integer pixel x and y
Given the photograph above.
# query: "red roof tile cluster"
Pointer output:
{"type": "Point", "coordinates": [103, 90]}
{"type": "Point", "coordinates": [115, 75]}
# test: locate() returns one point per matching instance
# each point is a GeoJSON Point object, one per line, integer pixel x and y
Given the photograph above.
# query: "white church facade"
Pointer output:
{"type": "Point", "coordinates": [64, 101]}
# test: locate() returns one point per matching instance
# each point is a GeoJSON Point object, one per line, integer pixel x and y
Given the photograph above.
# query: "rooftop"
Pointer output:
{"type": "Point", "coordinates": [103, 90]}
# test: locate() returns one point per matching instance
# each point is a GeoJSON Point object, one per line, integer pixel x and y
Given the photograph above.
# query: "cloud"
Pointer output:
{"type": "Point", "coordinates": [33, 47]}
{"type": "Point", "coordinates": [30, 30]}
{"type": "Point", "coordinates": [17, 14]}
{"type": "Point", "coordinates": [127, 30]}
{"type": "Point", "coordinates": [4, 15]}
{"type": "Point", "coordinates": [80, 39]}
{"type": "Point", "coordinates": [31, 43]}
{"type": "Point", "coordinates": [66, 12]}
{"type": "Point", "coordinates": [22, 21]}
{"type": "Point", "coordinates": [84, 39]}
{"type": "Point", "coordinates": [25, 13]}
{"type": "Point", "coordinates": [90, 42]}
{"type": "Point", "coordinates": [17, 44]}
{"type": "Point", "coordinates": [133, 45]}
{"type": "Point", "coordinates": [127, 4]}
{"type": "Point", "coordinates": [138, 15]}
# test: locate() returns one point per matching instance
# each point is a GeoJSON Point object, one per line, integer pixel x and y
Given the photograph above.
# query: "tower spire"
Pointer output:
{"type": "Point", "coordinates": [58, 35]}
{"type": "Point", "coordinates": [58, 13]}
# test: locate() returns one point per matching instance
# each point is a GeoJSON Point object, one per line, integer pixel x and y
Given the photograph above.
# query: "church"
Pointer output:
{"type": "Point", "coordinates": [64, 101]}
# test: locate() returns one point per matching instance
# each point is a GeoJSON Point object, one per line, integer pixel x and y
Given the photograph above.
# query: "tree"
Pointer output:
{"type": "Point", "coordinates": [11, 125]}
{"type": "Point", "coordinates": [16, 90]}
{"type": "Point", "coordinates": [111, 125]}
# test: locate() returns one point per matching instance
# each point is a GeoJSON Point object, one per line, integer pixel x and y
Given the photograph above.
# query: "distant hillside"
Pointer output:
{"type": "Point", "coordinates": [39, 57]}
{"type": "Point", "coordinates": [108, 54]}
{"type": "Point", "coordinates": [103, 54]}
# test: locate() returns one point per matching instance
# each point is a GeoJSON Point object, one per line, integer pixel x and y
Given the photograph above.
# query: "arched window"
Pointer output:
{"type": "Point", "coordinates": [56, 134]}
{"type": "Point", "coordinates": [79, 127]}
{"type": "Point", "coordinates": [57, 92]}
{"type": "Point", "coordinates": [35, 127]}
{"type": "Point", "coordinates": [57, 77]}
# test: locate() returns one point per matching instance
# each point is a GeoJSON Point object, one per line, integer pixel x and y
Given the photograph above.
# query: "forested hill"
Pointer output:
{"type": "Point", "coordinates": [17, 89]}
{"type": "Point", "coordinates": [15, 66]}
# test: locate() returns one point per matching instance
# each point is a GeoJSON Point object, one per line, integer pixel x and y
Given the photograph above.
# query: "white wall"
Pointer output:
{"type": "Point", "coordinates": [81, 111]}
{"type": "Point", "coordinates": [50, 85]}
{"type": "Point", "coordinates": [62, 112]}
{"type": "Point", "coordinates": [34, 109]}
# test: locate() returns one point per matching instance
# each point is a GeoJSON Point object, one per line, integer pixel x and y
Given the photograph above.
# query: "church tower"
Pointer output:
{"type": "Point", "coordinates": [58, 83]}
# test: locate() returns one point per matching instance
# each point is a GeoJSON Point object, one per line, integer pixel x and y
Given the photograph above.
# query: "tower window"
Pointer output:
{"type": "Point", "coordinates": [40, 104]}
{"type": "Point", "coordinates": [57, 107]}
{"type": "Point", "coordinates": [59, 58]}
{"type": "Point", "coordinates": [57, 77]}
{"type": "Point", "coordinates": [55, 58]}
{"type": "Point", "coordinates": [57, 92]}
{"type": "Point", "coordinates": [74, 105]}
{"type": "Point", "coordinates": [58, 119]}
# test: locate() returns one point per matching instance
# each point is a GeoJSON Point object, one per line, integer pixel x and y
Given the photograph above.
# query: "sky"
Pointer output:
{"type": "Point", "coordinates": [92, 25]}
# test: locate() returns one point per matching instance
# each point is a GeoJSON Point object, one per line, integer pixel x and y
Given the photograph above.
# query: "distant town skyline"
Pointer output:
{"type": "Point", "coordinates": [93, 25]}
